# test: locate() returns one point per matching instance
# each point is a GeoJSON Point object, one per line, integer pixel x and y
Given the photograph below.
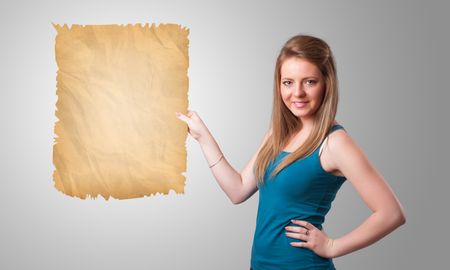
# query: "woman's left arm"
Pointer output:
{"type": "Point", "coordinates": [388, 214]}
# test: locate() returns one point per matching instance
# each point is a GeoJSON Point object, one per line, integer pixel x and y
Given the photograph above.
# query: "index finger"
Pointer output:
{"type": "Point", "coordinates": [303, 223]}
{"type": "Point", "coordinates": [182, 117]}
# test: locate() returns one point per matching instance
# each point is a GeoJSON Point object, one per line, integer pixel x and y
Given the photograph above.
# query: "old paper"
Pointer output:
{"type": "Point", "coordinates": [118, 89]}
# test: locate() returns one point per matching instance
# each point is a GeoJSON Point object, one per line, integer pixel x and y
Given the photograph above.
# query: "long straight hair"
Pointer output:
{"type": "Point", "coordinates": [284, 124]}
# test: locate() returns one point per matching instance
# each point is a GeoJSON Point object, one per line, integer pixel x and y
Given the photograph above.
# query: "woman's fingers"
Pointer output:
{"type": "Point", "coordinates": [316, 240]}
{"type": "Point", "coordinates": [303, 223]}
{"type": "Point", "coordinates": [296, 232]}
{"type": "Point", "coordinates": [299, 232]}
{"type": "Point", "coordinates": [182, 117]}
{"type": "Point", "coordinates": [299, 244]}
{"type": "Point", "coordinates": [189, 115]}
{"type": "Point", "coordinates": [296, 229]}
{"type": "Point", "coordinates": [196, 127]}
{"type": "Point", "coordinates": [297, 236]}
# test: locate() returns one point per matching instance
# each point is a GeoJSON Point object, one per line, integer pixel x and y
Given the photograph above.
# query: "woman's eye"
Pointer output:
{"type": "Point", "coordinates": [310, 82]}
{"type": "Point", "coordinates": [286, 83]}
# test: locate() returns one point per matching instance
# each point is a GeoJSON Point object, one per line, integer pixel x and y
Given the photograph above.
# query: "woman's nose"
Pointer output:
{"type": "Point", "coordinates": [299, 91]}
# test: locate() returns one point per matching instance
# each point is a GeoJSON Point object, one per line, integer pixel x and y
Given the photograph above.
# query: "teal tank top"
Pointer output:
{"type": "Point", "coordinates": [303, 191]}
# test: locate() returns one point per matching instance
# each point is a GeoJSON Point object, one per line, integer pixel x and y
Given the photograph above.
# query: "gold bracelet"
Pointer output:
{"type": "Point", "coordinates": [221, 156]}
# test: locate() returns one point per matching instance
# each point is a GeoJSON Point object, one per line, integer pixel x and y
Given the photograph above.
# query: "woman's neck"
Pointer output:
{"type": "Point", "coordinates": [307, 123]}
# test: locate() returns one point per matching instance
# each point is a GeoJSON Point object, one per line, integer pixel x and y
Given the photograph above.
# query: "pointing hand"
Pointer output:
{"type": "Point", "coordinates": [196, 128]}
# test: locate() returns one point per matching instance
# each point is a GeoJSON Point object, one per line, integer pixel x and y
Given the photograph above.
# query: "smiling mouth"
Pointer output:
{"type": "Point", "coordinates": [300, 104]}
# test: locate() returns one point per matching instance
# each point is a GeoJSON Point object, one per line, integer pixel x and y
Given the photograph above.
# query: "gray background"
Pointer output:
{"type": "Point", "coordinates": [392, 61]}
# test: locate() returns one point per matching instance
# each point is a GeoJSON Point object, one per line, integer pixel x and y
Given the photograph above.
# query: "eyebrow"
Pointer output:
{"type": "Point", "coordinates": [307, 77]}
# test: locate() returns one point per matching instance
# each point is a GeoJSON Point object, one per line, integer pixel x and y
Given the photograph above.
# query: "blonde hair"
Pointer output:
{"type": "Point", "coordinates": [284, 124]}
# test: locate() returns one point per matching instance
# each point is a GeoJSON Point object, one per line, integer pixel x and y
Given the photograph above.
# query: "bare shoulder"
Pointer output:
{"type": "Point", "coordinates": [346, 156]}
{"type": "Point", "coordinates": [340, 138]}
{"type": "Point", "coordinates": [340, 144]}
{"type": "Point", "coordinates": [335, 142]}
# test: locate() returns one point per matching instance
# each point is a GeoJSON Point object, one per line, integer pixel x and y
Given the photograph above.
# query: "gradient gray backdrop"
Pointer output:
{"type": "Point", "coordinates": [392, 61]}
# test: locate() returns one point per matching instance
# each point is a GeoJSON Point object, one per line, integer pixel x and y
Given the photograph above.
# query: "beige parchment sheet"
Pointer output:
{"type": "Point", "coordinates": [118, 88]}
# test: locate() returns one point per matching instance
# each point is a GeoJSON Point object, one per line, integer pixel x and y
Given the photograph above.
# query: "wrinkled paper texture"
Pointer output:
{"type": "Point", "coordinates": [118, 88]}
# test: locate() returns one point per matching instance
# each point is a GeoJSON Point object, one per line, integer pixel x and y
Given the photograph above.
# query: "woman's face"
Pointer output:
{"type": "Point", "coordinates": [302, 87]}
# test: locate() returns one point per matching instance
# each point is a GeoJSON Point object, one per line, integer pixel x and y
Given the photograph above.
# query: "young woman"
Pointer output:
{"type": "Point", "coordinates": [302, 162]}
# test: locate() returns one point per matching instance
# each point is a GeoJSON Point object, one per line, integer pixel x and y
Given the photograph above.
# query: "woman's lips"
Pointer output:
{"type": "Point", "coordinates": [300, 104]}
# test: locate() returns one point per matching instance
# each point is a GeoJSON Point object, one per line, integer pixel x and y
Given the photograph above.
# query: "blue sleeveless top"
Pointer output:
{"type": "Point", "coordinates": [303, 191]}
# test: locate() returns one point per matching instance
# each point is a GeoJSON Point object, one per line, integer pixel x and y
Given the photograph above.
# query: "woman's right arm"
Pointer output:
{"type": "Point", "coordinates": [237, 186]}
